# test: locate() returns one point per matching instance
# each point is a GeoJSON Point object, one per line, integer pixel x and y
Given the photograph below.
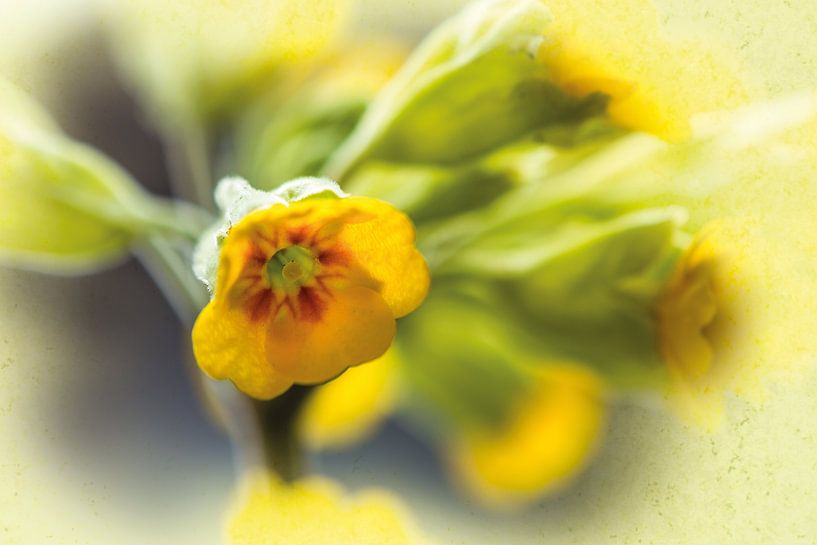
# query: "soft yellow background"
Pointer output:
{"type": "Point", "coordinates": [754, 481]}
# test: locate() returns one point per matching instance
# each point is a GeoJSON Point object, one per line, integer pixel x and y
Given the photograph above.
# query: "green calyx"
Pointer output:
{"type": "Point", "coordinates": [291, 267]}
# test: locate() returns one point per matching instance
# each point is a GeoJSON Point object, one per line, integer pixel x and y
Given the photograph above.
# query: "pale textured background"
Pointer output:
{"type": "Point", "coordinates": [101, 440]}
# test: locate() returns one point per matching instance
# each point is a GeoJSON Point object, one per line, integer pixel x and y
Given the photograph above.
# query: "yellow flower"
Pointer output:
{"type": "Point", "coordinates": [350, 407]}
{"type": "Point", "coordinates": [305, 290]}
{"type": "Point", "coordinates": [315, 512]}
{"type": "Point", "coordinates": [617, 48]}
{"type": "Point", "coordinates": [543, 445]}
{"type": "Point", "coordinates": [697, 319]}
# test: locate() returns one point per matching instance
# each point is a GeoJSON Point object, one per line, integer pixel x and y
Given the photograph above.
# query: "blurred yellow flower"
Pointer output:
{"type": "Point", "coordinates": [360, 68]}
{"type": "Point", "coordinates": [696, 319]}
{"type": "Point", "coordinates": [306, 290]}
{"type": "Point", "coordinates": [617, 48]}
{"type": "Point", "coordinates": [350, 407]}
{"type": "Point", "coordinates": [688, 307]}
{"type": "Point", "coordinates": [543, 445]}
{"type": "Point", "coordinates": [315, 512]}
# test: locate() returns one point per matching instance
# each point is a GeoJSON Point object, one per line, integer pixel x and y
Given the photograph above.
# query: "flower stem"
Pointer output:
{"type": "Point", "coordinates": [277, 422]}
{"type": "Point", "coordinates": [187, 150]}
{"type": "Point", "coordinates": [174, 276]}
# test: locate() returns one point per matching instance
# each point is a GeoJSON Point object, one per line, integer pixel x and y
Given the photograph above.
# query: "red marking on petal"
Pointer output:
{"type": "Point", "coordinates": [298, 235]}
{"type": "Point", "coordinates": [333, 256]}
{"type": "Point", "coordinates": [325, 236]}
{"type": "Point", "coordinates": [322, 285]}
{"type": "Point", "coordinates": [255, 254]}
{"type": "Point", "coordinates": [311, 304]}
{"type": "Point", "coordinates": [269, 241]}
{"type": "Point", "coordinates": [259, 305]}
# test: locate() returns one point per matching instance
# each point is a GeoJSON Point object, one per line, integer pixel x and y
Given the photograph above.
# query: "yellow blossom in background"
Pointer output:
{"type": "Point", "coordinates": [305, 290]}
{"type": "Point", "coordinates": [702, 320]}
{"type": "Point", "coordinates": [655, 83]}
{"type": "Point", "coordinates": [350, 407]}
{"type": "Point", "coordinates": [543, 445]}
{"type": "Point", "coordinates": [316, 512]}
{"type": "Point", "coordinates": [360, 68]}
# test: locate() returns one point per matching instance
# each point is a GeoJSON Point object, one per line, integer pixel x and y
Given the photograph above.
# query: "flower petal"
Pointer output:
{"type": "Point", "coordinates": [546, 442]}
{"type": "Point", "coordinates": [356, 326]}
{"type": "Point", "coordinates": [699, 326]}
{"type": "Point", "coordinates": [655, 84]}
{"type": "Point", "coordinates": [384, 247]}
{"type": "Point", "coordinates": [228, 345]}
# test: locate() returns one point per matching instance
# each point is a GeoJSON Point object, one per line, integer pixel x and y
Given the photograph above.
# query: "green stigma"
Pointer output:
{"type": "Point", "coordinates": [291, 267]}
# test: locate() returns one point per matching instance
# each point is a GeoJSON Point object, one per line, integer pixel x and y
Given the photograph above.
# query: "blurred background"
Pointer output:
{"type": "Point", "coordinates": [103, 439]}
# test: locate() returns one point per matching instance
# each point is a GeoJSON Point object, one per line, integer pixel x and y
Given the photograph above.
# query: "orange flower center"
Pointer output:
{"type": "Point", "coordinates": [288, 272]}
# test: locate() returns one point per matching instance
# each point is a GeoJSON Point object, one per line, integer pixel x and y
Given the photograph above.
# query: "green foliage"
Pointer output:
{"type": "Point", "coordinates": [578, 290]}
{"type": "Point", "coordinates": [64, 207]}
{"type": "Point", "coordinates": [429, 193]}
{"type": "Point", "coordinates": [472, 85]}
{"type": "Point", "coordinates": [591, 297]}
{"type": "Point", "coordinates": [62, 204]}
{"type": "Point", "coordinates": [44, 225]}
{"type": "Point", "coordinates": [281, 140]}
{"type": "Point", "coordinates": [464, 361]}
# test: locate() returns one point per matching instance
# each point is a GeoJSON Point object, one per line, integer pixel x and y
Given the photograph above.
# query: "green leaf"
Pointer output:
{"type": "Point", "coordinates": [582, 286]}
{"type": "Point", "coordinates": [579, 251]}
{"type": "Point", "coordinates": [54, 214]}
{"type": "Point", "coordinates": [532, 242]}
{"type": "Point", "coordinates": [276, 141]}
{"type": "Point", "coordinates": [472, 85]}
{"type": "Point", "coordinates": [429, 193]}
{"type": "Point", "coordinates": [22, 114]}
{"type": "Point", "coordinates": [593, 301]}
{"type": "Point", "coordinates": [555, 188]}
{"type": "Point", "coordinates": [64, 207]}
{"type": "Point", "coordinates": [42, 232]}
